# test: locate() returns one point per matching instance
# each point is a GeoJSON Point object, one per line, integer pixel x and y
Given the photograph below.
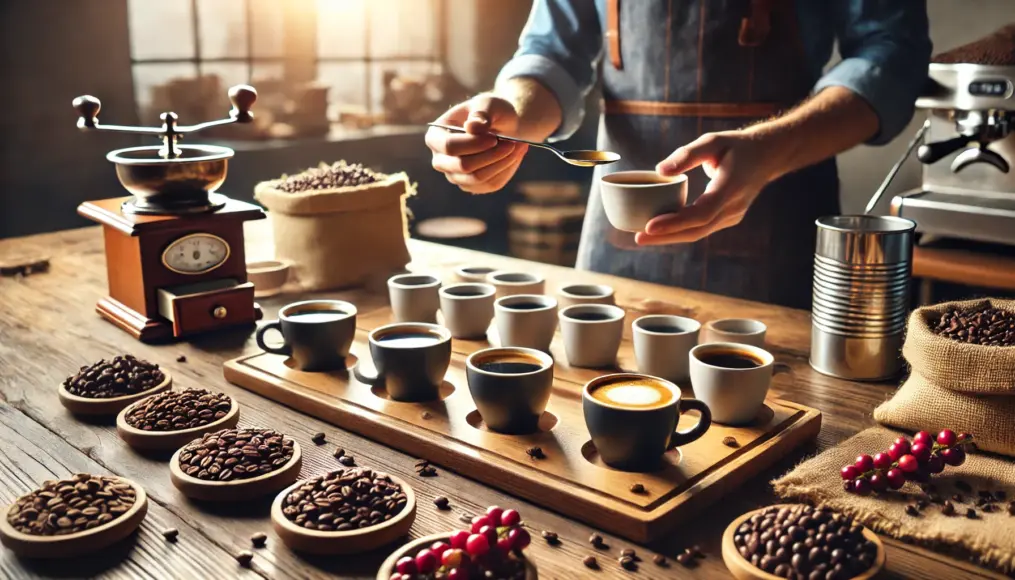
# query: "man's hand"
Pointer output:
{"type": "Point", "coordinates": [739, 165]}
{"type": "Point", "coordinates": [475, 161]}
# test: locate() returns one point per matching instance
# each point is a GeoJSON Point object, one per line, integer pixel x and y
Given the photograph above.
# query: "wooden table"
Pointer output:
{"type": "Point", "coordinates": [48, 328]}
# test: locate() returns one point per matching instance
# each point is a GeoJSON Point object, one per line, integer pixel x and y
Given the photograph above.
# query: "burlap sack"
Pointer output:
{"type": "Point", "coordinates": [955, 385]}
{"type": "Point", "coordinates": [988, 540]}
{"type": "Point", "coordinates": [337, 238]}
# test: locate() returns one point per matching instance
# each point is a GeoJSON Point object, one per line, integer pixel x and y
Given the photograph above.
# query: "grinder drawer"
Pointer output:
{"type": "Point", "coordinates": [206, 306]}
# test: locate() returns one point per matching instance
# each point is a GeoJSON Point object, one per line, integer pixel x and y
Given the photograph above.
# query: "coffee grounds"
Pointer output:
{"type": "Point", "coordinates": [232, 454]}
{"type": "Point", "coordinates": [336, 175]}
{"type": "Point", "coordinates": [124, 375]}
{"type": "Point", "coordinates": [997, 48]}
{"type": "Point", "coordinates": [176, 410]}
{"type": "Point", "coordinates": [71, 505]}
{"type": "Point", "coordinates": [345, 499]}
{"type": "Point", "coordinates": [986, 326]}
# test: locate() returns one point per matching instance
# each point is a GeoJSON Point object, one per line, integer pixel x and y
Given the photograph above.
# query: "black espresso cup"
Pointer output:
{"type": "Point", "coordinates": [411, 359]}
{"type": "Point", "coordinates": [633, 419]}
{"type": "Point", "coordinates": [317, 334]}
{"type": "Point", "coordinates": [510, 386]}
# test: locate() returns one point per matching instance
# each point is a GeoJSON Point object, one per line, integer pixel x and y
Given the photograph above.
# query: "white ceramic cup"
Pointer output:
{"type": "Point", "coordinates": [467, 309]}
{"type": "Point", "coordinates": [584, 294]}
{"type": "Point", "coordinates": [512, 283]}
{"type": "Point", "coordinates": [739, 330]}
{"type": "Point", "coordinates": [592, 334]}
{"type": "Point", "coordinates": [735, 395]}
{"type": "Point", "coordinates": [662, 343]}
{"type": "Point", "coordinates": [473, 273]}
{"type": "Point", "coordinates": [414, 297]}
{"type": "Point", "coordinates": [632, 198]}
{"type": "Point", "coordinates": [526, 320]}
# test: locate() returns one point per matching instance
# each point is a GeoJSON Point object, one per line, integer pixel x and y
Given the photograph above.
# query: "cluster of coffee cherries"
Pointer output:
{"type": "Point", "coordinates": [906, 461]}
{"type": "Point", "coordinates": [491, 544]}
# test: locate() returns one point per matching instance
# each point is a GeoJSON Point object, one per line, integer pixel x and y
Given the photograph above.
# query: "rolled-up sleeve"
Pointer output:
{"type": "Point", "coordinates": [559, 48]}
{"type": "Point", "coordinates": [885, 48]}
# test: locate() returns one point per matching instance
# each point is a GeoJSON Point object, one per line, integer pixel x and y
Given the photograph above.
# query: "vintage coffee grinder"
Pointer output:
{"type": "Point", "coordinates": [174, 250]}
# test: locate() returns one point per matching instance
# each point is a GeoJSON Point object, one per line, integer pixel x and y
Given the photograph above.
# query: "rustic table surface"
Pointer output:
{"type": "Point", "coordinates": [48, 328]}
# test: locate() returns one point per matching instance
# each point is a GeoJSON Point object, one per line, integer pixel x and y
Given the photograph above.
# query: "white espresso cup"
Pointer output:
{"type": "Point", "coordinates": [512, 283]}
{"type": "Point", "coordinates": [467, 309]}
{"type": "Point", "coordinates": [526, 320]}
{"type": "Point", "coordinates": [632, 198]}
{"type": "Point", "coordinates": [584, 294]}
{"type": "Point", "coordinates": [739, 330]}
{"type": "Point", "coordinates": [732, 379]}
{"type": "Point", "coordinates": [414, 297]}
{"type": "Point", "coordinates": [592, 334]}
{"type": "Point", "coordinates": [662, 343]}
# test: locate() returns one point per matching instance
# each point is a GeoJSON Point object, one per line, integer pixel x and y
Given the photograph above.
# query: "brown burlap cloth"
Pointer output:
{"type": "Point", "coordinates": [955, 385]}
{"type": "Point", "coordinates": [988, 540]}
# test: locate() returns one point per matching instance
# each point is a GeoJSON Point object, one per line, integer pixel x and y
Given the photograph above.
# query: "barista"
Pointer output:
{"type": "Point", "coordinates": [733, 86]}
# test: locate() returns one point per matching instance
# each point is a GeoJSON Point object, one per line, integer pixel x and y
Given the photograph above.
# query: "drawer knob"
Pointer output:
{"type": "Point", "coordinates": [219, 312]}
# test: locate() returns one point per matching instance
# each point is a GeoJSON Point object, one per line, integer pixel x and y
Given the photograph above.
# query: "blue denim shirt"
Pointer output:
{"type": "Point", "coordinates": [884, 46]}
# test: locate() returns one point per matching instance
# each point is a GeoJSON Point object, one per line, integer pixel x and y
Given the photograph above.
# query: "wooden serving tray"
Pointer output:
{"type": "Point", "coordinates": [570, 479]}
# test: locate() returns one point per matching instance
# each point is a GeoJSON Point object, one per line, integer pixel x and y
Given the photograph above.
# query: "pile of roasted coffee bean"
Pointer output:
{"type": "Point", "coordinates": [997, 49]}
{"type": "Point", "coordinates": [988, 326]}
{"type": "Point", "coordinates": [176, 410]}
{"type": "Point", "coordinates": [804, 542]}
{"type": "Point", "coordinates": [71, 505]}
{"type": "Point", "coordinates": [232, 454]}
{"type": "Point", "coordinates": [339, 174]}
{"type": "Point", "coordinates": [124, 375]}
{"type": "Point", "coordinates": [345, 499]}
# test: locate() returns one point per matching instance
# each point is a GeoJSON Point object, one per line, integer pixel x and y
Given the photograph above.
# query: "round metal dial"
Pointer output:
{"type": "Point", "coordinates": [195, 254]}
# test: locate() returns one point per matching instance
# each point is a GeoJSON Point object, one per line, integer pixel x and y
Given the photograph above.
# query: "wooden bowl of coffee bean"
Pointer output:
{"type": "Point", "coordinates": [800, 541]}
{"type": "Point", "coordinates": [72, 517]}
{"type": "Point", "coordinates": [345, 511]}
{"type": "Point", "coordinates": [106, 387]}
{"type": "Point", "coordinates": [171, 419]}
{"type": "Point", "coordinates": [235, 465]}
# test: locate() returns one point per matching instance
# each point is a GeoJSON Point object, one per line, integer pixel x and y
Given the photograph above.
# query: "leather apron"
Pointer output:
{"type": "Point", "coordinates": [674, 70]}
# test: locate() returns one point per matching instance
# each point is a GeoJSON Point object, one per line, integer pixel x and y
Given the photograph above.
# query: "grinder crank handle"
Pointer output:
{"type": "Point", "coordinates": [934, 152]}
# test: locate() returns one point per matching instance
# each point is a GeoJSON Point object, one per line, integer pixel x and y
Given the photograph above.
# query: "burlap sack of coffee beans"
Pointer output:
{"type": "Point", "coordinates": [955, 385]}
{"type": "Point", "coordinates": [339, 225]}
{"type": "Point", "coordinates": [988, 539]}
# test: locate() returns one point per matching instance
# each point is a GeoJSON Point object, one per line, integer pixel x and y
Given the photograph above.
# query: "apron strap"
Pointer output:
{"type": "Point", "coordinates": [613, 33]}
{"type": "Point", "coordinates": [664, 109]}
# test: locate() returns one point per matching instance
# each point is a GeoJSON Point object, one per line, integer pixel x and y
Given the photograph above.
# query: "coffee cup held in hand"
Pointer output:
{"type": "Point", "coordinates": [632, 198]}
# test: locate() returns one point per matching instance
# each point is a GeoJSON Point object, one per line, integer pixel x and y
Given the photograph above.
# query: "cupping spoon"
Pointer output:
{"type": "Point", "coordinates": [581, 157]}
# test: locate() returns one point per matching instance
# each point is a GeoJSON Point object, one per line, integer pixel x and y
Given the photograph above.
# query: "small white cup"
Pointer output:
{"type": "Point", "coordinates": [513, 283]}
{"type": "Point", "coordinates": [414, 297]}
{"type": "Point", "coordinates": [739, 330]}
{"type": "Point", "coordinates": [476, 274]}
{"type": "Point", "coordinates": [632, 198]}
{"type": "Point", "coordinates": [592, 334]}
{"type": "Point", "coordinates": [467, 309]}
{"type": "Point", "coordinates": [584, 294]}
{"type": "Point", "coordinates": [526, 320]}
{"type": "Point", "coordinates": [662, 343]}
{"type": "Point", "coordinates": [735, 395]}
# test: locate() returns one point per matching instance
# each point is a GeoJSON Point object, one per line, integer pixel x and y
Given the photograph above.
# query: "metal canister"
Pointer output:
{"type": "Point", "coordinates": [861, 295]}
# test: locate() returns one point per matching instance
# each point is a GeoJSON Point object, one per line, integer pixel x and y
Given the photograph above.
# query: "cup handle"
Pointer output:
{"type": "Point", "coordinates": [282, 350]}
{"type": "Point", "coordinates": [365, 378]}
{"type": "Point", "coordinates": [684, 437]}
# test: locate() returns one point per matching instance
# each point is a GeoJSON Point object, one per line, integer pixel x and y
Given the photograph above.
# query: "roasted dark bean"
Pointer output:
{"type": "Point", "coordinates": [124, 375]}
{"type": "Point", "coordinates": [175, 410]}
{"type": "Point", "coordinates": [328, 502]}
{"type": "Point", "coordinates": [232, 454]}
{"type": "Point", "coordinates": [336, 175]}
{"type": "Point", "coordinates": [56, 507]}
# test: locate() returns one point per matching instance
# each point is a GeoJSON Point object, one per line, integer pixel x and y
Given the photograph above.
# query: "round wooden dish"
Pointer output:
{"type": "Point", "coordinates": [111, 406]}
{"type": "Point", "coordinates": [744, 570]}
{"type": "Point", "coordinates": [388, 567]}
{"type": "Point", "coordinates": [348, 542]}
{"type": "Point", "coordinates": [70, 545]}
{"type": "Point", "coordinates": [236, 490]}
{"type": "Point", "coordinates": [165, 440]}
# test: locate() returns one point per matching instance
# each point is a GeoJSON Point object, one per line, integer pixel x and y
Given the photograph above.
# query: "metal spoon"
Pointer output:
{"type": "Point", "coordinates": [581, 157]}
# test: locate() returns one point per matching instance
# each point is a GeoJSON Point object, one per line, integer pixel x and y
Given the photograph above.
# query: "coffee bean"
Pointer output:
{"type": "Point", "coordinates": [124, 375]}
{"type": "Point", "coordinates": [170, 534]}
{"type": "Point", "coordinates": [730, 441]}
{"type": "Point", "coordinates": [630, 554]}
{"type": "Point", "coordinates": [627, 563]}
{"type": "Point", "coordinates": [182, 358]}
{"type": "Point", "coordinates": [258, 539]}
{"type": "Point", "coordinates": [685, 559]}
{"type": "Point", "coordinates": [176, 410]}
{"type": "Point", "coordinates": [339, 453]}
{"type": "Point", "coordinates": [535, 452]}
{"type": "Point", "coordinates": [345, 499]}
{"type": "Point", "coordinates": [426, 415]}
{"type": "Point", "coordinates": [971, 514]}
{"type": "Point", "coordinates": [347, 460]}
{"type": "Point", "coordinates": [910, 510]}
{"type": "Point", "coordinates": [590, 562]}
{"type": "Point", "coordinates": [318, 438]}
{"type": "Point", "coordinates": [232, 454]}
{"type": "Point", "coordinates": [551, 537]}
{"type": "Point", "coordinates": [336, 175]}
{"type": "Point", "coordinates": [948, 508]}
{"type": "Point", "coordinates": [441, 502]}
{"type": "Point", "coordinates": [59, 507]}
{"type": "Point", "coordinates": [427, 471]}
{"type": "Point", "coordinates": [596, 540]}
{"type": "Point", "coordinates": [984, 326]}
{"type": "Point", "coordinates": [244, 558]}
{"type": "Point", "coordinates": [660, 560]}
{"type": "Point", "coordinates": [637, 488]}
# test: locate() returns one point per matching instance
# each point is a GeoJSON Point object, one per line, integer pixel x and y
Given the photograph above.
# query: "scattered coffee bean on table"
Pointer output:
{"type": "Point", "coordinates": [339, 453]}
{"type": "Point", "coordinates": [660, 560]}
{"type": "Point", "coordinates": [124, 375]}
{"type": "Point", "coordinates": [346, 499]}
{"type": "Point", "coordinates": [971, 514]}
{"type": "Point", "coordinates": [442, 503]}
{"type": "Point", "coordinates": [685, 559]}
{"type": "Point", "coordinates": [71, 505]}
{"type": "Point", "coordinates": [590, 562]}
{"type": "Point", "coordinates": [181, 359]}
{"type": "Point", "coordinates": [637, 488]}
{"type": "Point", "coordinates": [244, 557]}
{"type": "Point", "coordinates": [347, 460]}
{"type": "Point", "coordinates": [730, 441]}
{"type": "Point", "coordinates": [176, 410]}
{"type": "Point", "coordinates": [596, 541]}
{"type": "Point", "coordinates": [551, 537]}
{"type": "Point", "coordinates": [338, 174]}
{"type": "Point", "coordinates": [258, 539]}
{"type": "Point", "coordinates": [427, 471]}
{"type": "Point", "coordinates": [232, 454]}
{"type": "Point", "coordinates": [627, 563]}
{"type": "Point", "coordinates": [805, 542]}
{"type": "Point", "coordinates": [629, 553]}
{"type": "Point", "coordinates": [426, 415]}
{"type": "Point", "coordinates": [170, 534]}
{"type": "Point", "coordinates": [948, 509]}
{"type": "Point", "coordinates": [985, 326]}
{"type": "Point", "coordinates": [535, 452]}
{"type": "Point", "coordinates": [319, 438]}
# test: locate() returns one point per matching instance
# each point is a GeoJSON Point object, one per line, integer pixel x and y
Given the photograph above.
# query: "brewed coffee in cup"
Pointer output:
{"type": "Point", "coordinates": [732, 378]}
{"type": "Point", "coordinates": [317, 334]}
{"type": "Point", "coordinates": [411, 360]}
{"type": "Point", "coordinates": [632, 198]}
{"type": "Point", "coordinates": [510, 386]}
